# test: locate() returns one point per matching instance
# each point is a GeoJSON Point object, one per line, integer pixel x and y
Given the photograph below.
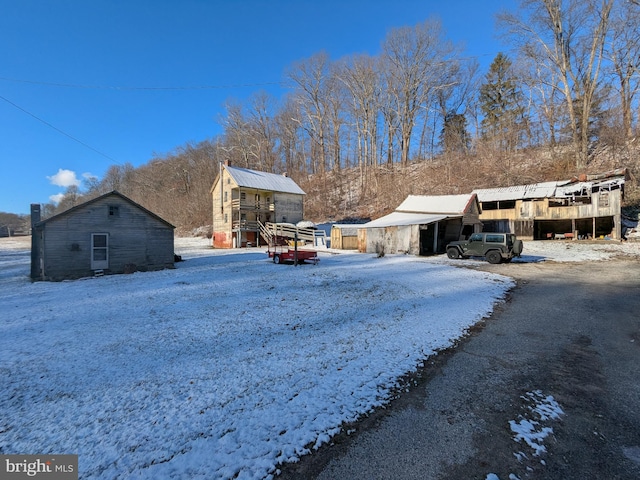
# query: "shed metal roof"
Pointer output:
{"type": "Point", "coordinates": [263, 181]}
{"type": "Point", "coordinates": [398, 219]}
{"type": "Point", "coordinates": [113, 193]}
{"type": "Point", "coordinates": [455, 204]}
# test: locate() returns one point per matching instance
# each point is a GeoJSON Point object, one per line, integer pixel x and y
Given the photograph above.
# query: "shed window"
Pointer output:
{"type": "Point", "coordinates": [114, 211]}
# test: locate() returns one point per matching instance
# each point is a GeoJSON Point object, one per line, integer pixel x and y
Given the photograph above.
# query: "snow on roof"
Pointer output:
{"type": "Point", "coordinates": [563, 188]}
{"type": "Point", "coordinates": [397, 219]}
{"type": "Point", "coordinates": [456, 204]}
{"type": "Point", "coordinates": [518, 192]}
{"type": "Point", "coordinates": [587, 187]}
{"type": "Point", "coordinates": [263, 180]}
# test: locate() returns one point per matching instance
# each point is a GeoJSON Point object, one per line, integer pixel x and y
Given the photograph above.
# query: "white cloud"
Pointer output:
{"type": "Point", "coordinates": [56, 198]}
{"type": "Point", "coordinates": [64, 178]}
{"type": "Point", "coordinates": [89, 176]}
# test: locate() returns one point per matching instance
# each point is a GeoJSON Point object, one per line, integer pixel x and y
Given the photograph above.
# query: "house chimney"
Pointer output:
{"type": "Point", "coordinates": [35, 262]}
{"type": "Point", "coordinates": [227, 163]}
{"type": "Point", "coordinates": [35, 213]}
{"type": "Point", "coordinates": [285, 174]}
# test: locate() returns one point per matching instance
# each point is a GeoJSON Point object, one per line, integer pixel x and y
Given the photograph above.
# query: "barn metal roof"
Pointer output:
{"type": "Point", "coordinates": [398, 219]}
{"type": "Point", "coordinates": [518, 192]}
{"type": "Point", "coordinates": [263, 181]}
{"type": "Point", "coordinates": [581, 188]}
{"type": "Point", "coordinates": [455, 204]}
{"type": "Point", "coordinates": [564, 188]}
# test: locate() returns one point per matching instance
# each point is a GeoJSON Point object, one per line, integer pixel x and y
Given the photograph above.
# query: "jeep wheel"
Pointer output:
{"type": "Point", "coordinates": [453, 253]}
{"type": "Point", "coordinates": [517, 247]}
{"type": "Point", "coordinates": [493, 257]}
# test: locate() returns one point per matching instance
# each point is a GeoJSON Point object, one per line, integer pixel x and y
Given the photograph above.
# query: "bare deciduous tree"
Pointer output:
{"type": "Point", "coordinates": [415, 65]}
{"type": "Point", "coordinates": [568, 38]}
{"type": "Point", "coordinates": [361, 78]}
{"type": "Point", "coordinates": [623, 51]}
{"type": "Point", "coordinates": [311, 77]}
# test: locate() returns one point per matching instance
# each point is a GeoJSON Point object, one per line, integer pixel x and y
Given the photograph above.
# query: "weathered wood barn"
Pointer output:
{"type": "Point", "coordinates": [585, 207]}
{"type": "Point", "coordinates": [106, 235]}
{"type": "Point", "coordinates": [422, 225]}
{"type": "Point", "coordinates": [242, 199]}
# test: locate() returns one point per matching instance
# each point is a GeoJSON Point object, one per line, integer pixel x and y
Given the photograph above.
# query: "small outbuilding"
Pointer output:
{"type": "Point", "coordinates": [422, 225]}
{"type": "Point", "coordinates": [345, 236]}
{"type": "Point", "coordinates": [106, 235]}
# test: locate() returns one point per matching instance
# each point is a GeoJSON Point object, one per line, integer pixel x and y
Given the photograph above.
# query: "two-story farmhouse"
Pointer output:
{"type": "Point", "coordinates": [585, 207]}
{"type": "Point", "coordinates": [242, 198]}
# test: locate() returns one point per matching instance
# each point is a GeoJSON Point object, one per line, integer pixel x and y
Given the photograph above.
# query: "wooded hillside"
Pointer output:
{"type": "Point", "coordinates": [360, 133]}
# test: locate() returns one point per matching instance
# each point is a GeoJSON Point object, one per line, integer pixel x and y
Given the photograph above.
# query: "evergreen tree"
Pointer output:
{"type": "Point", "coordinates": [454, 136]}
{"type": "Point", "coordinates": [503, 116]}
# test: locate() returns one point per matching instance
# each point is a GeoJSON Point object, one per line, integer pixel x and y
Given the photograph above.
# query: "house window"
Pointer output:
{"type": "Point", "coordinates": [226, 218]}
{"type": "Point", "coordinates": [243, 196]}
{"type": "Point", "coordinates": [226, 197]}
{"type": "Point", "coordinates": [114, 211]}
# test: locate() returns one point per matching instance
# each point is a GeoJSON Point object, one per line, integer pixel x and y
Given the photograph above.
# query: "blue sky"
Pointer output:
{"type": "Point", "coordinates": [56, 127]}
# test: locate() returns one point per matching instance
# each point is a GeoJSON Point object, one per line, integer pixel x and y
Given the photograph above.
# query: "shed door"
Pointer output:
{"type": "Point", "coordinates": [99, 251]}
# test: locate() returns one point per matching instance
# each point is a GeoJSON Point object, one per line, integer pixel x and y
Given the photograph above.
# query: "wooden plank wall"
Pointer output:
{"type": "Point", "coordinates": [135, 239]}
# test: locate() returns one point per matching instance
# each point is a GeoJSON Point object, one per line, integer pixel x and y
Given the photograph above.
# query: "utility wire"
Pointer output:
{"type": "Point", "coordinates": [58, 130]}
{"type": "Point", "coordinates": [108, 87]}
{"type": "Point", "coordinates": [61, 131]}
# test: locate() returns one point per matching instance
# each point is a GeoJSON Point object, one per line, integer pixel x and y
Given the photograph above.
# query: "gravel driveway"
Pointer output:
{"type": "Point", "coordinates": [560, 358]}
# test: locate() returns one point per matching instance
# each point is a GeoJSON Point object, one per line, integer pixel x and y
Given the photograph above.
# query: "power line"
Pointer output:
{"type": "Point", "coordinates": [111, 87]}
{"type": "Point", "coordinates": [58, 130]}
{"type": "Point", "coordinates": [62, 132]}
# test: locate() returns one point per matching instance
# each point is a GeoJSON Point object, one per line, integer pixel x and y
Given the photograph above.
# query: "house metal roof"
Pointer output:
{"type": "Point", "coordinates": [263, 181]}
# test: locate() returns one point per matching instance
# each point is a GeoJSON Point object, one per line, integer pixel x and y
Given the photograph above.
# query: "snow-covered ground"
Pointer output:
{"type": "Point", "coordinates": [229, 364]}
